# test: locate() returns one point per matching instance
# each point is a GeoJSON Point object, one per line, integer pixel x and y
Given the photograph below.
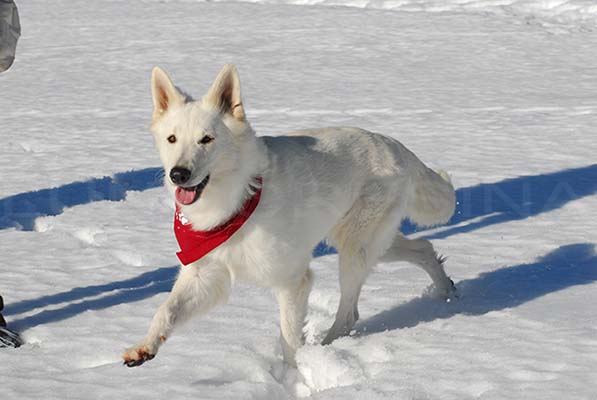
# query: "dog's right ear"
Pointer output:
{"type": "Point", "coordinates": [165, 94]}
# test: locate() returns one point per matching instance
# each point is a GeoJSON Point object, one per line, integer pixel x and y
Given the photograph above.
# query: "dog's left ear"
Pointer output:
{"type": "Point", "coordinates": [224, 93]}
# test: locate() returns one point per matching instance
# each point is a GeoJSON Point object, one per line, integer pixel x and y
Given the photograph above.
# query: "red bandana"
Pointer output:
{"type": "Point", "coordinates": [195, 244]}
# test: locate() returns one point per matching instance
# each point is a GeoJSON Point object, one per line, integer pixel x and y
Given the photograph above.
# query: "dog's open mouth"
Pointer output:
{"type": "Point", "coordinates": [189, 195]}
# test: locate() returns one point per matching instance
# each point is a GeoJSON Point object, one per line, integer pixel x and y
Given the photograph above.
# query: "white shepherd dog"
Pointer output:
{"type": "Point", "coordinates": [348, 186]}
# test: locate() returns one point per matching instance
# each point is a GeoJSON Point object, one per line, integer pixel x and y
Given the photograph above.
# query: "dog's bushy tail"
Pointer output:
{"type": "Point", "coordinates": [434, 200]}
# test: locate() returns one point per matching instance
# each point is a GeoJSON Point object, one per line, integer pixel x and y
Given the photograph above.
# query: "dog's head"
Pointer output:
{"type": "Point", "coordinates": [198, 140]}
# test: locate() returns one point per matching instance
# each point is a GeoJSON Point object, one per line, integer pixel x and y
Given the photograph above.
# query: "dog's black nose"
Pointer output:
{"type": "Point", "coordinates": [180, 175]}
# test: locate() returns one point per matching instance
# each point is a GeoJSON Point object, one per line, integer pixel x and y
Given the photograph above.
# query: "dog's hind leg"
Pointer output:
{"type": "Point", "coordinates": [353, 272]}
{"type": "Point", "coordinates": [293, 300]}
{"type": "Point", "coordinates": [420, 252]}
{"type": "Point", "coordinates": [361, 238]}
{"type": "Point", "coordinates": [196, 291]}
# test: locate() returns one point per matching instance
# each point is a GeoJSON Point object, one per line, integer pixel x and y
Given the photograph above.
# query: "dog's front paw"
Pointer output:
{"type": "Point", "coordinates": [137, 356]}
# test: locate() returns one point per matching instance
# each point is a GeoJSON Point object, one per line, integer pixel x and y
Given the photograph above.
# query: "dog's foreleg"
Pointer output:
{"type": "Point", "coordinates": [196, 291]}
{"type": "Point", "coordinates": [293, 301]}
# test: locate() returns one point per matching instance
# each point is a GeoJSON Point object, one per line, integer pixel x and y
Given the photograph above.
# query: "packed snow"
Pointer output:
{"type": "Point", "coordinates": [500, 93]}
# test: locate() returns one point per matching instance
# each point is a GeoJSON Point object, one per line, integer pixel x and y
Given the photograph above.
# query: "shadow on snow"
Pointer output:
{"type": "Point", "coordinates": [138, 288]}
{"type": "Point", "coordinates": [509, 287]}
{"type": "Point", "coordinates": [21, 210]}
{"type": "Point", "coordinates": [516, 199]}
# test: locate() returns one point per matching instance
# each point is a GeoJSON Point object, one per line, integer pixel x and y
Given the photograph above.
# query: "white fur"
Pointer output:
{"type": "Point", "coordinates": [345, 185]}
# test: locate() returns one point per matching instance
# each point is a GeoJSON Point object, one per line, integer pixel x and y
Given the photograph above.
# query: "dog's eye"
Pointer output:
{"type": "Point", "coordinates": [172, 139]}
{"type": "Point", "coordinates": [206, 139]}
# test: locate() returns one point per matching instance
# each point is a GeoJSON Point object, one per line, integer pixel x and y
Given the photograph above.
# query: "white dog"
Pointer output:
{"type": "Point", "coordinates": [253, 209]}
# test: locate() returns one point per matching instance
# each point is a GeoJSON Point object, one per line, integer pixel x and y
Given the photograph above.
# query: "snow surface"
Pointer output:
{"type": "Point", "coordinates": [503, 94]}
{"type": "Point", "coordinates": [582, 13]}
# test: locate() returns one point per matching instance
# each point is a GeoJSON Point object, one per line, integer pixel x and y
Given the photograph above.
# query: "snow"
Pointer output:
{"type": "Point", "coordinates": [583, 12]}
{"type": "Point", "coordinates": [502, 94]}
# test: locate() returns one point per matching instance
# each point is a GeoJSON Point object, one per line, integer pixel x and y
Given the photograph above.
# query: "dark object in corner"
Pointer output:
{"type": "Point", "coordinates": [8, 338]}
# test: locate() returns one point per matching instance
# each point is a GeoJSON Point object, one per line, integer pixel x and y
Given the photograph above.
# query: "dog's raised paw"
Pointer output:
{"type": "Point", "coordinates": [452, 293]}
{"type": "Point", "coordinates": [448, 294]}
{"type": "Point", "coordinates": [136, 357]}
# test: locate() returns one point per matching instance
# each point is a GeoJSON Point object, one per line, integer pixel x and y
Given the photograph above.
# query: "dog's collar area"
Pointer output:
{"type": "Point", "coordinates": [196, 244]}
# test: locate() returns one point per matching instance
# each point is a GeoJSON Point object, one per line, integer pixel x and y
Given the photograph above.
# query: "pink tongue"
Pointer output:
{"type": "Point", "coordinates": [185, 196]}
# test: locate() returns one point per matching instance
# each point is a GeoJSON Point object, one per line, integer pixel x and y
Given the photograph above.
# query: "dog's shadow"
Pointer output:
{"type": "Point", "coordinates": [567, 266]}
{"type": "Point", "coordinates": [81, 299]}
